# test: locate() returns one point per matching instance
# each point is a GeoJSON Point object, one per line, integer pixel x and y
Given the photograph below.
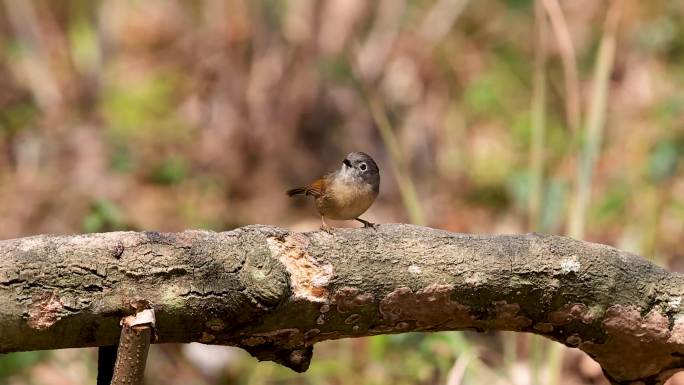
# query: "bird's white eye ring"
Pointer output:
{"type": "Point", "coordinates": [363, 167]}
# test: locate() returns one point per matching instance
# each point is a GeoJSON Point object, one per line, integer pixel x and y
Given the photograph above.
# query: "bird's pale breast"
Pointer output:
{"type": "Point", "coordinates": [346, 200]}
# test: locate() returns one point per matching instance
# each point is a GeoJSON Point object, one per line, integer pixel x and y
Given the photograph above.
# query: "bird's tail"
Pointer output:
{"type": "Point", "coordinates": [296, 191]}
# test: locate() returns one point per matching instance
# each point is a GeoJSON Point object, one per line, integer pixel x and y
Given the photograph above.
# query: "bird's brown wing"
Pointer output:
{"type": "Point", "coordinates": [316, 188]}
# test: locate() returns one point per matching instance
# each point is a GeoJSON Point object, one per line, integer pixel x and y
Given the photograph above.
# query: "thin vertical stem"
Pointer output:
{"type": "Point", "coordinates": [406, 186]}
{"type": "Point", "coordinates": [591, 145]}
{"type": "Point", "coordinates": [538, 361]}
{"type": "Point", "coordinates": [568, 59]}
{"type": "Point", "coordinates": [509, 341]}
{"type": "Point", "coordinates": [23, 19]}
{"type": "Point", "coordinates": [536, 156]}
{"type": "Point", "coordinates": [106, 360]}
{"type": "Point", "coordinates": [595, 121]}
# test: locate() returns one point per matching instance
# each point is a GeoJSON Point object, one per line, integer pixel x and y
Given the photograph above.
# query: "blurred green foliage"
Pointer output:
{"type": "Point", "coordinates": [172, 170]}
{"type": "Point", "coordinates": [103, 216]}
{"type": "Point", "coordinates": [12, 364]}
{"type": "Point", "coordinates": [663, 160]}
{"type": "Point", "coordinates": [144, 110]}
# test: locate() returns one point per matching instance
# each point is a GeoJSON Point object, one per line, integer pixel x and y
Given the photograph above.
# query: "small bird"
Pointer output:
{"type": "Point", "coordinates": [346, 193]}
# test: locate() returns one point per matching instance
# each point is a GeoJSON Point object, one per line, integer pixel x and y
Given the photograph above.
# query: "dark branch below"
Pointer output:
{"type": "Point", "coordinates": [276, 293]}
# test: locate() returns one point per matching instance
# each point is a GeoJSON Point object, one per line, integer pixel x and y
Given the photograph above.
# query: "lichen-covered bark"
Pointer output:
{"type": "Point", "coordinates": [276, 293]}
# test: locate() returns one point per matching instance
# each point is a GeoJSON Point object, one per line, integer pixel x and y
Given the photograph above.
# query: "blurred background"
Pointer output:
{"type": "Point", "coordinates": [485, 116]}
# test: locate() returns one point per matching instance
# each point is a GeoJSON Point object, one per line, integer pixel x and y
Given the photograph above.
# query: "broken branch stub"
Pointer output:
{"type": "Point", "coordinates": [134, 343]}
{"type": "Point", "coordinates": [276, 292]}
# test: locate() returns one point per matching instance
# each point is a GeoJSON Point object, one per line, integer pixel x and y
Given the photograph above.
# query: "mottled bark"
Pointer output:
{"type": "Point", "coordinates": [276, 293]}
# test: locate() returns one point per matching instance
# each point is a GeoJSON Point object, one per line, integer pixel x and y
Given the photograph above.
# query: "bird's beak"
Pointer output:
{"type": "Point", "coordinates": [347, 163]}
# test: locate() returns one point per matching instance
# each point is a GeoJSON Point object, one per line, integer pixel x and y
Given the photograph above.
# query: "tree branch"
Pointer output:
{"type": "Point", "coordinates": [276, 293]}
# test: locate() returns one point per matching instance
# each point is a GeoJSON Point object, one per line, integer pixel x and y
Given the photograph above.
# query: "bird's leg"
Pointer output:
{"type": "Point", "coordinates": [366, 223]}
{"type": "Point", "coordinates": [324, 226]}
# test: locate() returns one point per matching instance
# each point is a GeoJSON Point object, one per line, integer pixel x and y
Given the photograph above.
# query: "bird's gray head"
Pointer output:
{"type": "Point", "coordinates": [360, 166]}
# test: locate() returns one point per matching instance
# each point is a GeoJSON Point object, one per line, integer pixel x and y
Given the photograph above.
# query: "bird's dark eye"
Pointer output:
{"type": "Point", "coordinates": [363, 167]}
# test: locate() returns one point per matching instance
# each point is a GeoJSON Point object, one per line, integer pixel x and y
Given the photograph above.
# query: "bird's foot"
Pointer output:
{"type": "Point", "coordinates": [325, 227]}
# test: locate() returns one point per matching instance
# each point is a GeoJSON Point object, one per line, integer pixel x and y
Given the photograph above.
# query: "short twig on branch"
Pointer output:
{"type": "Point", "coordinates": [276, 293]}
{"type": "Point", "coordinates": [136, 335]}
